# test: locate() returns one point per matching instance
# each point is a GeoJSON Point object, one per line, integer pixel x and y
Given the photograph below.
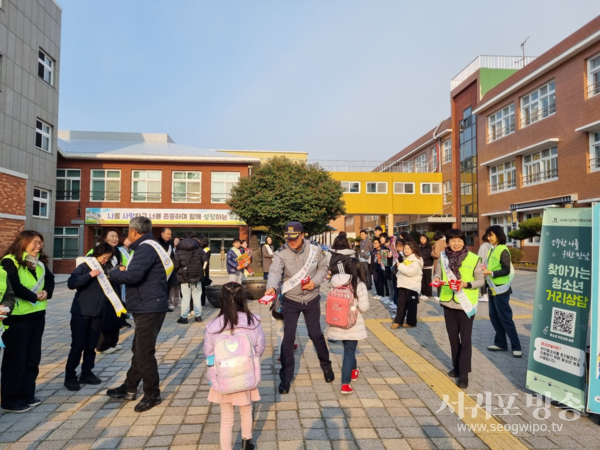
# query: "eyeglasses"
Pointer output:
{"type": "Point", "coordinates": [38, 243]}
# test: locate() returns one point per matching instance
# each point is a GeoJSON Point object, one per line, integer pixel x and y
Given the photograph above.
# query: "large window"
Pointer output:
{"type": "Point", "coordinates": [376, 187]}
{"type": "Point", "coordinates": [540, 167]}
{"type": "Point", "coordinates": [68, 184]}
{"type": "Point", "coordinates": [43, 135]}
{"type": "Point", "coordinates": [594, 76]}
{"type": "Point", "coordinates": [105, 186]}
{"type": "Point", "coordinates": [503, 177]}
{"type": "Point", "coordinates": [434, 159]}
{"type": "Point", "coordinates": [421, 163]}
{"type": "Point", "coordinates": [534, 240]}
{"type": "Point", "coordinates": [431, 188]}
{"type": "Point", "coordinates": [447, 151]}
{"type": "Point", "coordinates": [146, 185]}
{"type": "Point", "coordinates": [221, 184]}
{"type": "Point", "coordinates": [595, 151]}
{"type": "Point", "coordinates": [404, 188]}
{"type": "Point", "coordinates": [41, 203]}
{"type": "Point", "coordinates": [447, 192]}
{"type": "Point", "coordinates": [66, 243]}
{"type": "Point", "coordinates": [538, 104]}
{"type": "Point", "coordinates": [506, 223]}
{"type": "Point", "coordinates": [186, 187]}
{"type": "Point", "coordinates": [45, 68]}
{"type": "Point", "coordinates": [350, 187]}
{"type": "Point", "coordinates": [501, 123]}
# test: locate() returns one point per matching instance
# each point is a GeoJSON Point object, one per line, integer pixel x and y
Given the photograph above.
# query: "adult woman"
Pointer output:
{"type": "Point", "coordinates": [425, 251]}
{"type": "Point", "coordinates": [87, 313]}
{"type": "Point", "coordinates": [33, 285]}
{"type": "Point", "coordinates": [204, 244]}
{"type": "Point", "coordinates": [339, 254]}
{"type": "Point", "coordinates": [458, 264]}
{"type": "Point", "coordinates": [268, 251]}
{"type": "Point", "coordinates": [410, 272]}
{"type": "Point", "coordinates": [498, 276]}
{"type": "Point", "coordinates": [483, 252]}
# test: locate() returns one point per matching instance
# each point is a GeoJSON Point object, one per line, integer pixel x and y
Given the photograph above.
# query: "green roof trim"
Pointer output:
{"type": "Point", "coordinates": [490, 78]}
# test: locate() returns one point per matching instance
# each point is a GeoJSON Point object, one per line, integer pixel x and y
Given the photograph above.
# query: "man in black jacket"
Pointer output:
{"type": "Point", "coordinates": [166, 242]}
{"type": "Point", "coordinates": [189, 265]}
{"type": "Point", "coordinates": [146, 289]}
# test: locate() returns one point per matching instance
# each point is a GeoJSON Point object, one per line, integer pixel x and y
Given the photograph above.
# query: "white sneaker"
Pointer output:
{"type": "Point", "coordinates": [437, 299]}
{"type": "Point", "coordinates": [332, 339]}
{"type": "Point", "coordinates": [376, 297]}
{"type": "Point", "coordinates": [423, 297]}
{"type": "Point", "coordinates": [108, 351]}
{"type": "Point", "coordinates": [118, 347]}
{"type": "Point", "coordinates": [484, 298]}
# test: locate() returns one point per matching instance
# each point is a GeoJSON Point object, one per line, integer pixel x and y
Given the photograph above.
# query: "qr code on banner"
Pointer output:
{"type": "Point", "coordinates": [563, 321]}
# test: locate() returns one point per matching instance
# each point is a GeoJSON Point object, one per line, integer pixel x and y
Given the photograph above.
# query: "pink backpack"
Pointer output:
{"type": "Point", "coordinates": [342, 311]}
{"type": "Point", "coordinates": [236, 366]}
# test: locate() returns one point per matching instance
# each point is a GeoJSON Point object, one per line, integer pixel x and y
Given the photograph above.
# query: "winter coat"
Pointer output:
{"type": "Point", "coordinates": [188, 270]}
{"type": "Point", "coordinates": [365, 250]}
{"type": "Point", "coordinates": [438, 247]}
{"type": "Point", "coordinates": [232, 262]}
{"type": "Point", "coordinates": [267, 257]}
{"type": "Point", "coordinates": [358, 331]}
{"type": "Point", "coordinates": [425, 252]}
{"type": "Point", "coordinates": [90, 299]}
{"type": "Point", "coordinates": [254, 331]}
{"type": "Point", "coordinates": [339, 257]}
{"type": "Point", "coordinates": [410, 273]}
{"type": "Point", "coordinates": [145, 280]}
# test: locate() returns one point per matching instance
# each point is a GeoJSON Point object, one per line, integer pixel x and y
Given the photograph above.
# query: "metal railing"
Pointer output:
{"type": "Point", "coordinates": [377, 166]}
{"type": "Point", "coordinates": [594, 163]}
{"type": "Point", "coordinates": [499, 132]}
{"type": "Point", "coordinates": [538, 177]}
{"type": "Point", "coordinates": [68, 195]}
{"type": "Point", "coordinates": [146, 196]}
{"type": "Point", "coordinates": [594, 88]}
{"type": "Point", "coordinates": [503, 186]}
{"type": "Point", "coordinates": [447, 158]}
{"type": "Point", "coordinates": [105, 196]}
{"type": "Point", "coordinates": [183, 197]}
{"type": "Point", "coordinates": [490, 62]}
{"type": "Point", "coordinates": [530, 118]}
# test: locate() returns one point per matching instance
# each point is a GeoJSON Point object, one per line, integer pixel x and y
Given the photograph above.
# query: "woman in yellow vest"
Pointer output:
{"type": "Point", "coordinates": [458, 266]}
{"type": "Point", "coordinates": [33, 284]}
{"type": "Point", "coordinates": [499, 274]}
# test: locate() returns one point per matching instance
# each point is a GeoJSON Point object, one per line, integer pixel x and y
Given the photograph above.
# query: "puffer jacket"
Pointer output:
{"type": "Point", "coordinates": [90, 299]}
{"type": "Point", "coordinates": [410, 273]}
{"type": "Point", "coordinates": [186, 269]}
{"type": "Point", "coordinates": [232, 262]}
{"type": "Point", "coordinates": [254, 332]}
{"type": "Point", "coordinates": [358, 331]}
{"type": "Point", "coordinates": [337, 257]}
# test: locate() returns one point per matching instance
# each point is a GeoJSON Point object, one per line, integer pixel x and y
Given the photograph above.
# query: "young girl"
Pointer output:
{"type": "Point", "coordinates": [234, 315]}
{"type": "Point", "coordinates": [377, 268]}
{"type": "Point", "coordinates": [355, 278]}
{"type": "Point", "coordinates": [410, 272]}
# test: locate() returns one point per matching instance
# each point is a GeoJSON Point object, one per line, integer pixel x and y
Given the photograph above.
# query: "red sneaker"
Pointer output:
{"type": "Point", "coordinates": [347, 389]}
{"type": "Point", "coordinates": [355, 374]}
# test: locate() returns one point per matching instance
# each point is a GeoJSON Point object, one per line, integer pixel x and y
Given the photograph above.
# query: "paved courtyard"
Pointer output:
{"type": "Point", "coordinates": [398, 403]}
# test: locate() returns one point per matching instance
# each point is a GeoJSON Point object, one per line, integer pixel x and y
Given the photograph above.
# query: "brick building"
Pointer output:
{"type": "Point", "coordinates": [105, 179]}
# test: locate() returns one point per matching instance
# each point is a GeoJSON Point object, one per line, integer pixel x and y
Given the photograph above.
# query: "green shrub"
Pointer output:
{"type": "Point", "coordinates": [516, 255]}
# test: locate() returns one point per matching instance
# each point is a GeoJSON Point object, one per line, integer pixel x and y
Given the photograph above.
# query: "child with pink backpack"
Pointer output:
{"type": "Point", "coordinates": [346, 302]}
{"type": "Point", "coordinates": [233, 345]}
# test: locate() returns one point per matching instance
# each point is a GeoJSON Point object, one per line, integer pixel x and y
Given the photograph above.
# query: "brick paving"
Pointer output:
{"type": "Point", "coordinates": [392, 408]}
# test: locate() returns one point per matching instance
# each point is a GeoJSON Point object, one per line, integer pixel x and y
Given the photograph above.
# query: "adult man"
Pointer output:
{"type": "Point", "coordinates": [233, 266]}
{"type": "Point", "coordinates": [297, 260]}
{"type": "Point", "coordinates": [189, 265]}
{"type": "Point", "coordinates": [166, 242]}
{"type": "Point", "coordinates": [145, 279]}
{"type": "Point", "coordinates": [365, 256]}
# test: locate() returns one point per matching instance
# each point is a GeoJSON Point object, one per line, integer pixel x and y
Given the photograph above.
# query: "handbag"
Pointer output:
{"type": "Point", "coordinates": [276, 308]}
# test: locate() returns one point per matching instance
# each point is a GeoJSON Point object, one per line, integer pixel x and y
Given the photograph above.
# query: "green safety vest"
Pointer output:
{"type": "Point", "coordinates": [22, 306]}
{"type": "Point", "coordinates": [467, 274]}
{"type": "Point", "coordinates": [494, 264]}
{"type": "Point", "coordinates": [3, 283]}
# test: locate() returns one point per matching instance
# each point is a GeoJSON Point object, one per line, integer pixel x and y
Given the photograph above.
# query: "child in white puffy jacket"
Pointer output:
{"type": "Point", "coordinates": [410, 274]}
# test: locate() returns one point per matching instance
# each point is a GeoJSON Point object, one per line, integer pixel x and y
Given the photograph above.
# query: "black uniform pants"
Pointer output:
{"type": "Point", "coordinates": [21, 362]}
{"type": "Point", "coordinates": [407, 306]}
{"type": "Point", "coordinates": [85, 332]}
{"type": "Point", "coordinates": [312, 316]}
{"type": "Point", "coordinates": [459, 328]}
{"type": "Point", "coordinates": [367, 269]}
{"type": "Point", "coordinates": [143, 363]}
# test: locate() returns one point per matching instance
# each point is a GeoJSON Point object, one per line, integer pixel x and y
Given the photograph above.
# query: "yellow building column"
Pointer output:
{"type": "Point", "coordinates": [390, 218]}
{"type": "Point", "coordinates": [382, 222]}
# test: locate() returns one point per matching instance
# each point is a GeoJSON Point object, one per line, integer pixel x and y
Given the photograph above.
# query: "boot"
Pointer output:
{"type": "Point", "coordinates": [247, 444]}
{"type": "Point", "coordinates": [463, 380]}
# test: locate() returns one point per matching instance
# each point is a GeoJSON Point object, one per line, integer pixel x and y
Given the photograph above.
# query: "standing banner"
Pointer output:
{"type": "Point", "coordinates": [594, 380]}
{"type": "Point", "coordinates": [557, 365]}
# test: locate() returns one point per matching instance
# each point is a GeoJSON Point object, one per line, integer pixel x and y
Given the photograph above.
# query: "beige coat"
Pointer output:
{"type": "Point", "coordinates": [358, 331]}
{"type": "Point", "coordinates": [410, 275]}
{"type": "Point", "coordinates": [438, 247]}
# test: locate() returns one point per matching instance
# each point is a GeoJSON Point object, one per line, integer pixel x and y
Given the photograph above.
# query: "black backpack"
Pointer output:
{"type": "Point", "coordinates": [194, 271]}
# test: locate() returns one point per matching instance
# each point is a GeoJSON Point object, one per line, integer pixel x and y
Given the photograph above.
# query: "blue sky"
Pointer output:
{"type": "Point", "coordinates": [341, 79]}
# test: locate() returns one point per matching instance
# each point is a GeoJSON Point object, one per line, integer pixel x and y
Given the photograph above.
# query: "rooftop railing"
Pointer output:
{"type": "Point", "coordinates": [490, 62]}
{"type": "Point", "coordinates": [377, 166]}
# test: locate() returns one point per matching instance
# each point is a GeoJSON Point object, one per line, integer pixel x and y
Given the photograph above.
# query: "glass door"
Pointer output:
{"type": "Point", "coordinates": [219, 248]}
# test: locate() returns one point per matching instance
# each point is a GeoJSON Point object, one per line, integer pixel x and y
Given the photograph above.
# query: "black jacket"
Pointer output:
{"type": "Point", "coordinates": [188, 270]}
{"type": "Point", "coordinates": [165, 245]}
{"type": "Point", "coordinates": [339, 256]}
{"type": "Point", "coordinates": [425, 252]}
{"type": "Point", "coordinates": [90, 299]}
{"type": "Point", "coordinates": [145, 280]}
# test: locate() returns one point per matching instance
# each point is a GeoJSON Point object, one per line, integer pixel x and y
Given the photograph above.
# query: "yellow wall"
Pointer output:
{"type": "Point", "coordinates": [265, 154]}
{"type": "Point", "coordinates": [390, 203]}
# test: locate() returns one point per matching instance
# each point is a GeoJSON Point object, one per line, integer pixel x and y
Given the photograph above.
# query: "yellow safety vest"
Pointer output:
{"type": "Point", "coordinates": [467, 274]}
{"type": "Point", "coordinates": [28, 281]}
{"type": "Point", "coordinates": [494, 264]}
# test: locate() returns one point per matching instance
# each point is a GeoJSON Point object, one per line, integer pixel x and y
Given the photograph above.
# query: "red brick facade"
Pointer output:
{"type": "Point", "coordinates": [12, 205]}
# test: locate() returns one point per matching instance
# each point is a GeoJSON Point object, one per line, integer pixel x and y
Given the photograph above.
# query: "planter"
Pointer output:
{"type": "Point", "coordinates": [255, 289]}
{"type": "Point", "coordinates": [213, 295]}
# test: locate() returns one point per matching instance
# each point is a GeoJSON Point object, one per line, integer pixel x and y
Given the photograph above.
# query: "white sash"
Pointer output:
{"type": "Point", "coordinates": [296, 279]}
{"type": "Point", "coordinates": [466, 305]}
{"type": "Point", "coordinates": [269, 249]}
{"type": "Point", "coordinates": [38, 286]}
{"type": "Point", "coordinates": [105, 285]}
{"type": "Point", "coordinates": [497, 290]}
{"type": "Point", "coordinates": [169, 251]}
{"type": "Point", "coordinates": [166, 260]}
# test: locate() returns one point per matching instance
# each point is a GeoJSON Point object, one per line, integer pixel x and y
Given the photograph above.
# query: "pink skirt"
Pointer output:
{"type": "Point", "coordinates": [237, 399]}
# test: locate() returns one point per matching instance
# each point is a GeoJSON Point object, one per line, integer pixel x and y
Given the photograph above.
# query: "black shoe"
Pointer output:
{"type": "Point", "coordinates": [121, 392]}
{"type": "Point", "coordinates": [146, 404]}
{"type": "Point", "coordinates": [34, 402]}
{"type": "Point", "coordinates": [198, 319]}
{"type": "Point", "coordinates": [247, 444]}
{"type": "Point", "coordinates": [453, 373]}
{"type": "Point", "coordinates": [89, 378]}
{"type": "Point", "coordinates": [126, 324]}
{"type": "Point", "coordinates": [284, 388]}
{"type": "Point", "coordinates": [329, 375]}
{"type": "Point", "coordinates": [170, 310]}
{"type": "Point", "coordinates": [463, 380]}
{"type": "Point", "coordinates": [182, 320]}
{"type": "Point", "coordinates": [72, 384]}
{"type": "Point", "coordinates": [17, 409]}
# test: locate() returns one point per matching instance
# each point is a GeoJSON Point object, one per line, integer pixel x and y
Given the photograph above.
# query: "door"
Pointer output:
{"type": "Point", "coordinates": [219, 248]}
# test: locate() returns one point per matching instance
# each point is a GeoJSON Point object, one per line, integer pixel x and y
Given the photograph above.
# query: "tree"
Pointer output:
{"type": "Point", "coordinates": [282, 190]}
{"type": "Point", "coordinates": [527, 229]}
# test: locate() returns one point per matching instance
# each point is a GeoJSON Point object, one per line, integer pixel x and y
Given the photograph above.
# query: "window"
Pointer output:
{"type": "Point", "coordinates": [595, 151]}
{"type": "Point", "coordinates": [540, 167]}
{"type": "Point", "coordinates": [447, 192]}
{"type": "Point", "coordinates": [146, 185]}
{"type": "Point", "coordinates": [434, 159]}
{"type": "Point", "coordinates": [503, 177]}
{"type": "Point", "coordinates": [376, 188]}
{"type": "Point", "coordinates": [407, 166]}
{"type": "Point", "coordinates": [447, 151]}
{"type": "Point", "coordinates": [221, 185]}
{"type": "Point", "coordinates": [68, 184]}
{"type": "Point", "coordinates": [594, 76]}
{"type": "Point", "coordinates": [536, 239]}
{"type": "Point", "coordinates": [186, 187]}
{"type": "Point", "coordinates": [431, 188]}
{"type": "Point", "coordinates": [404, 188]}
{"type": "Point", "coordinates": [41, 203]}
{"type": "Point", "coordinates": [350, 221]}
{"type": "Point", "coordinates": [43, 135]}
{"type": "Point", "coordinates": [501, 123]}
{"type": "Point", "coordinates": [350, 187]}
{"type": "Point", "coordinates": [66, 243]}
{"type": "Point", "coordinates": [45, 68]}
{"type": "Point", "coordinates": [105, 186]}
{"type": "Point", "coordinates": [421, 163]}
{"type": "Point", "coordinates": [506, 223]}
{"type": "Point", "coordinates": [538, 104]}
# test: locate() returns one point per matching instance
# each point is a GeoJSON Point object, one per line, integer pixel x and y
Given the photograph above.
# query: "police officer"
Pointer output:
{"type": "Point", "coordinates": [296, 261]}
